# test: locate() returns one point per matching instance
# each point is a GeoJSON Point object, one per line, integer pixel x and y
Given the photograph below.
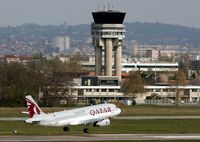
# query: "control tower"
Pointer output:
{"type": "Point", "coordinates": [108, 33]}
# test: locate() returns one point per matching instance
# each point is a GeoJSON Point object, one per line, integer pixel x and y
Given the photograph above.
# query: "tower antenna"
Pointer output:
{"type": "Point", "coordinates": [112, 6]}
{"type": "Point", "coordinates": [109, 6]}
{"type": "Point", "coordinates": [98, 7]}
{"type": "Point", "coordinates": [104, 8]}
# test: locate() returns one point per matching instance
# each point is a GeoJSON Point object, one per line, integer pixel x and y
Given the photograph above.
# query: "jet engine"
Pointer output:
{"type": "Point", "coordinates": [104, 122]}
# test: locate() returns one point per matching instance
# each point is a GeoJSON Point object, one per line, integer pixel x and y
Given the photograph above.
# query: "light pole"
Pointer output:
{"type": "Point", "coordinates": [155, 73]}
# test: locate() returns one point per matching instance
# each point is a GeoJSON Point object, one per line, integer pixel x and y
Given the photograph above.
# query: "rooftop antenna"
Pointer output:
{"type": "Point", "coordinates": [112, 7]}
{"type": "Point", "coordinates": [104, 8]}
{"type": "Point", "coordinates": [98, 7]}
{"type": "Point", "coordinates": [120, 5]}
{"type": "Point", "coordinates": [109, 6]}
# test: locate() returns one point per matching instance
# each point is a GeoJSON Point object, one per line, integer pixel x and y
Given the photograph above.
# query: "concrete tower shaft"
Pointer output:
{"type": "Point", "coordinates": [108, 57]}
{"type": "Point", "coordinates": [98, 60]}
{"type": "Point", "coordinates": [108, 33]}
{"type": "Point", "coordinates": [108, 38]}
{"type": "Point", "coordinates": [118, 57]}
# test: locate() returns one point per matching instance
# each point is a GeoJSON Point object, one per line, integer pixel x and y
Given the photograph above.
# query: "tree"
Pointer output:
{"type": "Point", "coordinates": [16, 82]}
{"type": "Point", "coordinates": [166, 58]}
{"type": "Point", "coordinates": [184, 61]}
{"type": "Point", "coordinates": [59, 80]}
{"type": "Point", "coordinates": [67, 93]}
{"type": "Point", "coordinates": [180, 80]}
{"type": "Point", "coordinates": [133, 85]}
{"type": "Point", "coordinates": [196, 81]}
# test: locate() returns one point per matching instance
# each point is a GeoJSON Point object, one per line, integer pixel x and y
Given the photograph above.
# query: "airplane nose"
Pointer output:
{"type": "Point", "coordinates": [118, 111]}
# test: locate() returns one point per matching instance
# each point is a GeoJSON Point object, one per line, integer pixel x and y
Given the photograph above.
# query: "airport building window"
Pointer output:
{"type": "Point", "coordinates": [172, 90]}
{"type": "Point", "coordinates": [194, 90]}
{"type": "Point", "coordinates": [88, 90]}
{"type": "Point", "coordinates": [158, 90]}
{"type": "Point", "coordinates": [165, 90]}
{"type": "Point", "coordinates": [149, 90]}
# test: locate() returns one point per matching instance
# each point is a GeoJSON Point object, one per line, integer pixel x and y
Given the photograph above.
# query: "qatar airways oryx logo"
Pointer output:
{"type": "Point", "coordinates": [32, 108]}
{"type": "Point", "coordinates": [100, 111]}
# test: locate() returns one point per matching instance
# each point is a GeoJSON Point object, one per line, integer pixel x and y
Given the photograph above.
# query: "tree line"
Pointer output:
{"type": "Point", "coordinates": [18, 80]}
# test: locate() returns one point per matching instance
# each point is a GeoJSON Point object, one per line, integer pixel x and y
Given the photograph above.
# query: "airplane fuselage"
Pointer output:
{"type": "Point", "coordinates": [77, 116]}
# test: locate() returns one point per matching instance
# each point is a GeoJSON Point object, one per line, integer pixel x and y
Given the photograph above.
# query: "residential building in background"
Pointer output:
{"type": "Point", "coordinates": [63, 43]}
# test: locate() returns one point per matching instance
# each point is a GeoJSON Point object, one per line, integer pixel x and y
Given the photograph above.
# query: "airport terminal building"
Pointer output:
{"type": "Point", "coordinates": [108, 33]}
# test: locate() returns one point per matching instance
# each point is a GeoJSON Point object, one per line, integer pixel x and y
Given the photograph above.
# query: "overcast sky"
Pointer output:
{"type": "Point", "coordinates": [17, 12]}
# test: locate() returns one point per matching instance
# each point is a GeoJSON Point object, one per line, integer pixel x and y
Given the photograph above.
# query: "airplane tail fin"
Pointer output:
{"type": "Point", "coordinates": [33, 108]}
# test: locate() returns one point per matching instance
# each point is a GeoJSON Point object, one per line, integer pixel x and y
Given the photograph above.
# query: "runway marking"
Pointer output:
{"type": "Point", "coordinates": [178, 137]}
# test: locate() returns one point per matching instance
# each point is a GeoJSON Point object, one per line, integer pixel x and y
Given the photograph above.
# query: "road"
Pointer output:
{"type": "Point", "coordinates": [101, 137]}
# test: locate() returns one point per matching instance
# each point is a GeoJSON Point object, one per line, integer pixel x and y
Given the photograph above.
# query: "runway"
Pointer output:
{"type": "Point", "coordinates": [101, 137]}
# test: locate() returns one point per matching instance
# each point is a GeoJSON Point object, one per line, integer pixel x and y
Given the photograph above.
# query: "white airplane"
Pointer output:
{"type": "Point", "coordinates": [98, 115]}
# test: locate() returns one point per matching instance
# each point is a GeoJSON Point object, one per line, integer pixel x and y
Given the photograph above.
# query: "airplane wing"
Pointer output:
{"type": "Point", "coordinates": [75, 121]}
{"type": "Point", "coordinates": [13, 118]}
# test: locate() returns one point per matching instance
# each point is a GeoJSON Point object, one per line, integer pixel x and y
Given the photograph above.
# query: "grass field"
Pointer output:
{"type": "Point", "coordinates": [126, 111]}
{"type": "Point", "coordinates": [147, 110]}
{"type": "Point", "coordinates": [117, 126]}
{"type": "Point", "coordinates": [157, 141]}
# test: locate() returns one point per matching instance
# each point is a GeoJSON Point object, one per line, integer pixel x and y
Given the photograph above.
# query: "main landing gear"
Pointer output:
{"type": "Point", "coordinates": [86, 131]}
{"type": "Point", "coordinates": [66, 129]}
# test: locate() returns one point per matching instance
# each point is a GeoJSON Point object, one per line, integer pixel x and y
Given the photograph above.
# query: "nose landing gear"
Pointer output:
{"type": "Point", "coordinates": [66, 129]}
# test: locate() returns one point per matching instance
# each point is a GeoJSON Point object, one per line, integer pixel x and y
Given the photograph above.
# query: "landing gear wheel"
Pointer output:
{"type": "Point", "coordinates": [66, 129]}
{"type": "Point", "coordinates": [95, 124]}
{"type": "Point", "coordinates": [86, 131]}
